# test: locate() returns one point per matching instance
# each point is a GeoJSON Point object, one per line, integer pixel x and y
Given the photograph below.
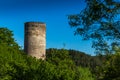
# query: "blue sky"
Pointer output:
{"type": "Point", "coordinates": [14, 13]}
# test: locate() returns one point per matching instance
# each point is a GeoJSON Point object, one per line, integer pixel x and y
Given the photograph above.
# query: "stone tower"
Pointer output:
{"type": "Point", "coordinates": [35, 39]}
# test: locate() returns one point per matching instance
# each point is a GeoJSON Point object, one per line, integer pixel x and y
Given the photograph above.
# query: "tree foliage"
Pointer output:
{"type": "Point", "coordinates": [6, 37]}
{"type": "Point", "coordinates": [85, 60]}
{"type": "Point", "coordinates": [111, 68]}
{"type": "Point", "coordinates": [18, 66]}
{"type": "Point", "coordinates": [79, 59]}
{"type": "Point", "coordinates": [100, 22]}
{"type": "Point", "coordinates": [15, 65]}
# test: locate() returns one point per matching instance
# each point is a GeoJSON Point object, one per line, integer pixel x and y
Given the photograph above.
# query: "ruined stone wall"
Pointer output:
{"type": "Point", "coordinates": [35, 39]}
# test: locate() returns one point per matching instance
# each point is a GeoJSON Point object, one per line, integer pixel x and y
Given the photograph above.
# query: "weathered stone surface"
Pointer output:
{"type": "Point", "coordinates": [35, 39]}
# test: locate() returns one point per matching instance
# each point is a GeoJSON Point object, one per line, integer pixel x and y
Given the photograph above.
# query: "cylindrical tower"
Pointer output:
{"type": "Point", "coordinates": [35, 39]}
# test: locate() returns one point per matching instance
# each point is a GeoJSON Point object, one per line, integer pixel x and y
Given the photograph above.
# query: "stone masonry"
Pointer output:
{"type": "Point", "coordinates": [35, 39]}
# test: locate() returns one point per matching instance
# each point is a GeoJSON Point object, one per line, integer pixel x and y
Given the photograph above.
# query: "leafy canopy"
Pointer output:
{"type": "Point", "coordinates": [110, 70]}
{"type": "Point", "coordinates": [15, 65]}
{"type": "Point", "coordinates": [99, 21]}
{"type": "Point", "coordinates": [18, 66]}
{"type": "Point", "coordinates": [6, 37]}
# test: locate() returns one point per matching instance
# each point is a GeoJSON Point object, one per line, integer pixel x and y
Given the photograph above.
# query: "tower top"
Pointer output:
{"type": "Point", "coordinates": [35, 24]}
{"type": "Point", "coordinates": [32, 22]}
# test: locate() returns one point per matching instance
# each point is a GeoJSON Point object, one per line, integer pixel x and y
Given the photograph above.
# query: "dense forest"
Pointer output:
{"type": "Point", "coordinates": [60, 64]}
{"type": "Point", "coordinates": [16, 65]}
{"type": "Point", "coordinates": [80, 58]}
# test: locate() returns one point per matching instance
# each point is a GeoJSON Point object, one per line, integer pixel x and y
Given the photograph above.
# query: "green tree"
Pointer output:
{"type": "Point", "coordinates": [65, 66]}
{"type": "Point", "coordinates": [11, 62]}
{"type": "Point", "coordinates": [18, 66]}
{"type": "Point", "coordinates": [100, 22]}
{"type": "Point", "coordinates": [15, 65]}
{"type": "Point", "coordinates": [85, 74]}
{"type": "Point", "coordinates": [111, 68]}
{"type": "Point", "coordinates": [6, 37]}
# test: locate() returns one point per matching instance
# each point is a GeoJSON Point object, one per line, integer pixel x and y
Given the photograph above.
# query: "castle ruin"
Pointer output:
{"type": "Point", "coordinates": [35, 39]}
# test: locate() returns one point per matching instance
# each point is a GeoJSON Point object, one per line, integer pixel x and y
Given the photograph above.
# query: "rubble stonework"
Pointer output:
{"type": "Point", "coordinates": [35, 39]}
